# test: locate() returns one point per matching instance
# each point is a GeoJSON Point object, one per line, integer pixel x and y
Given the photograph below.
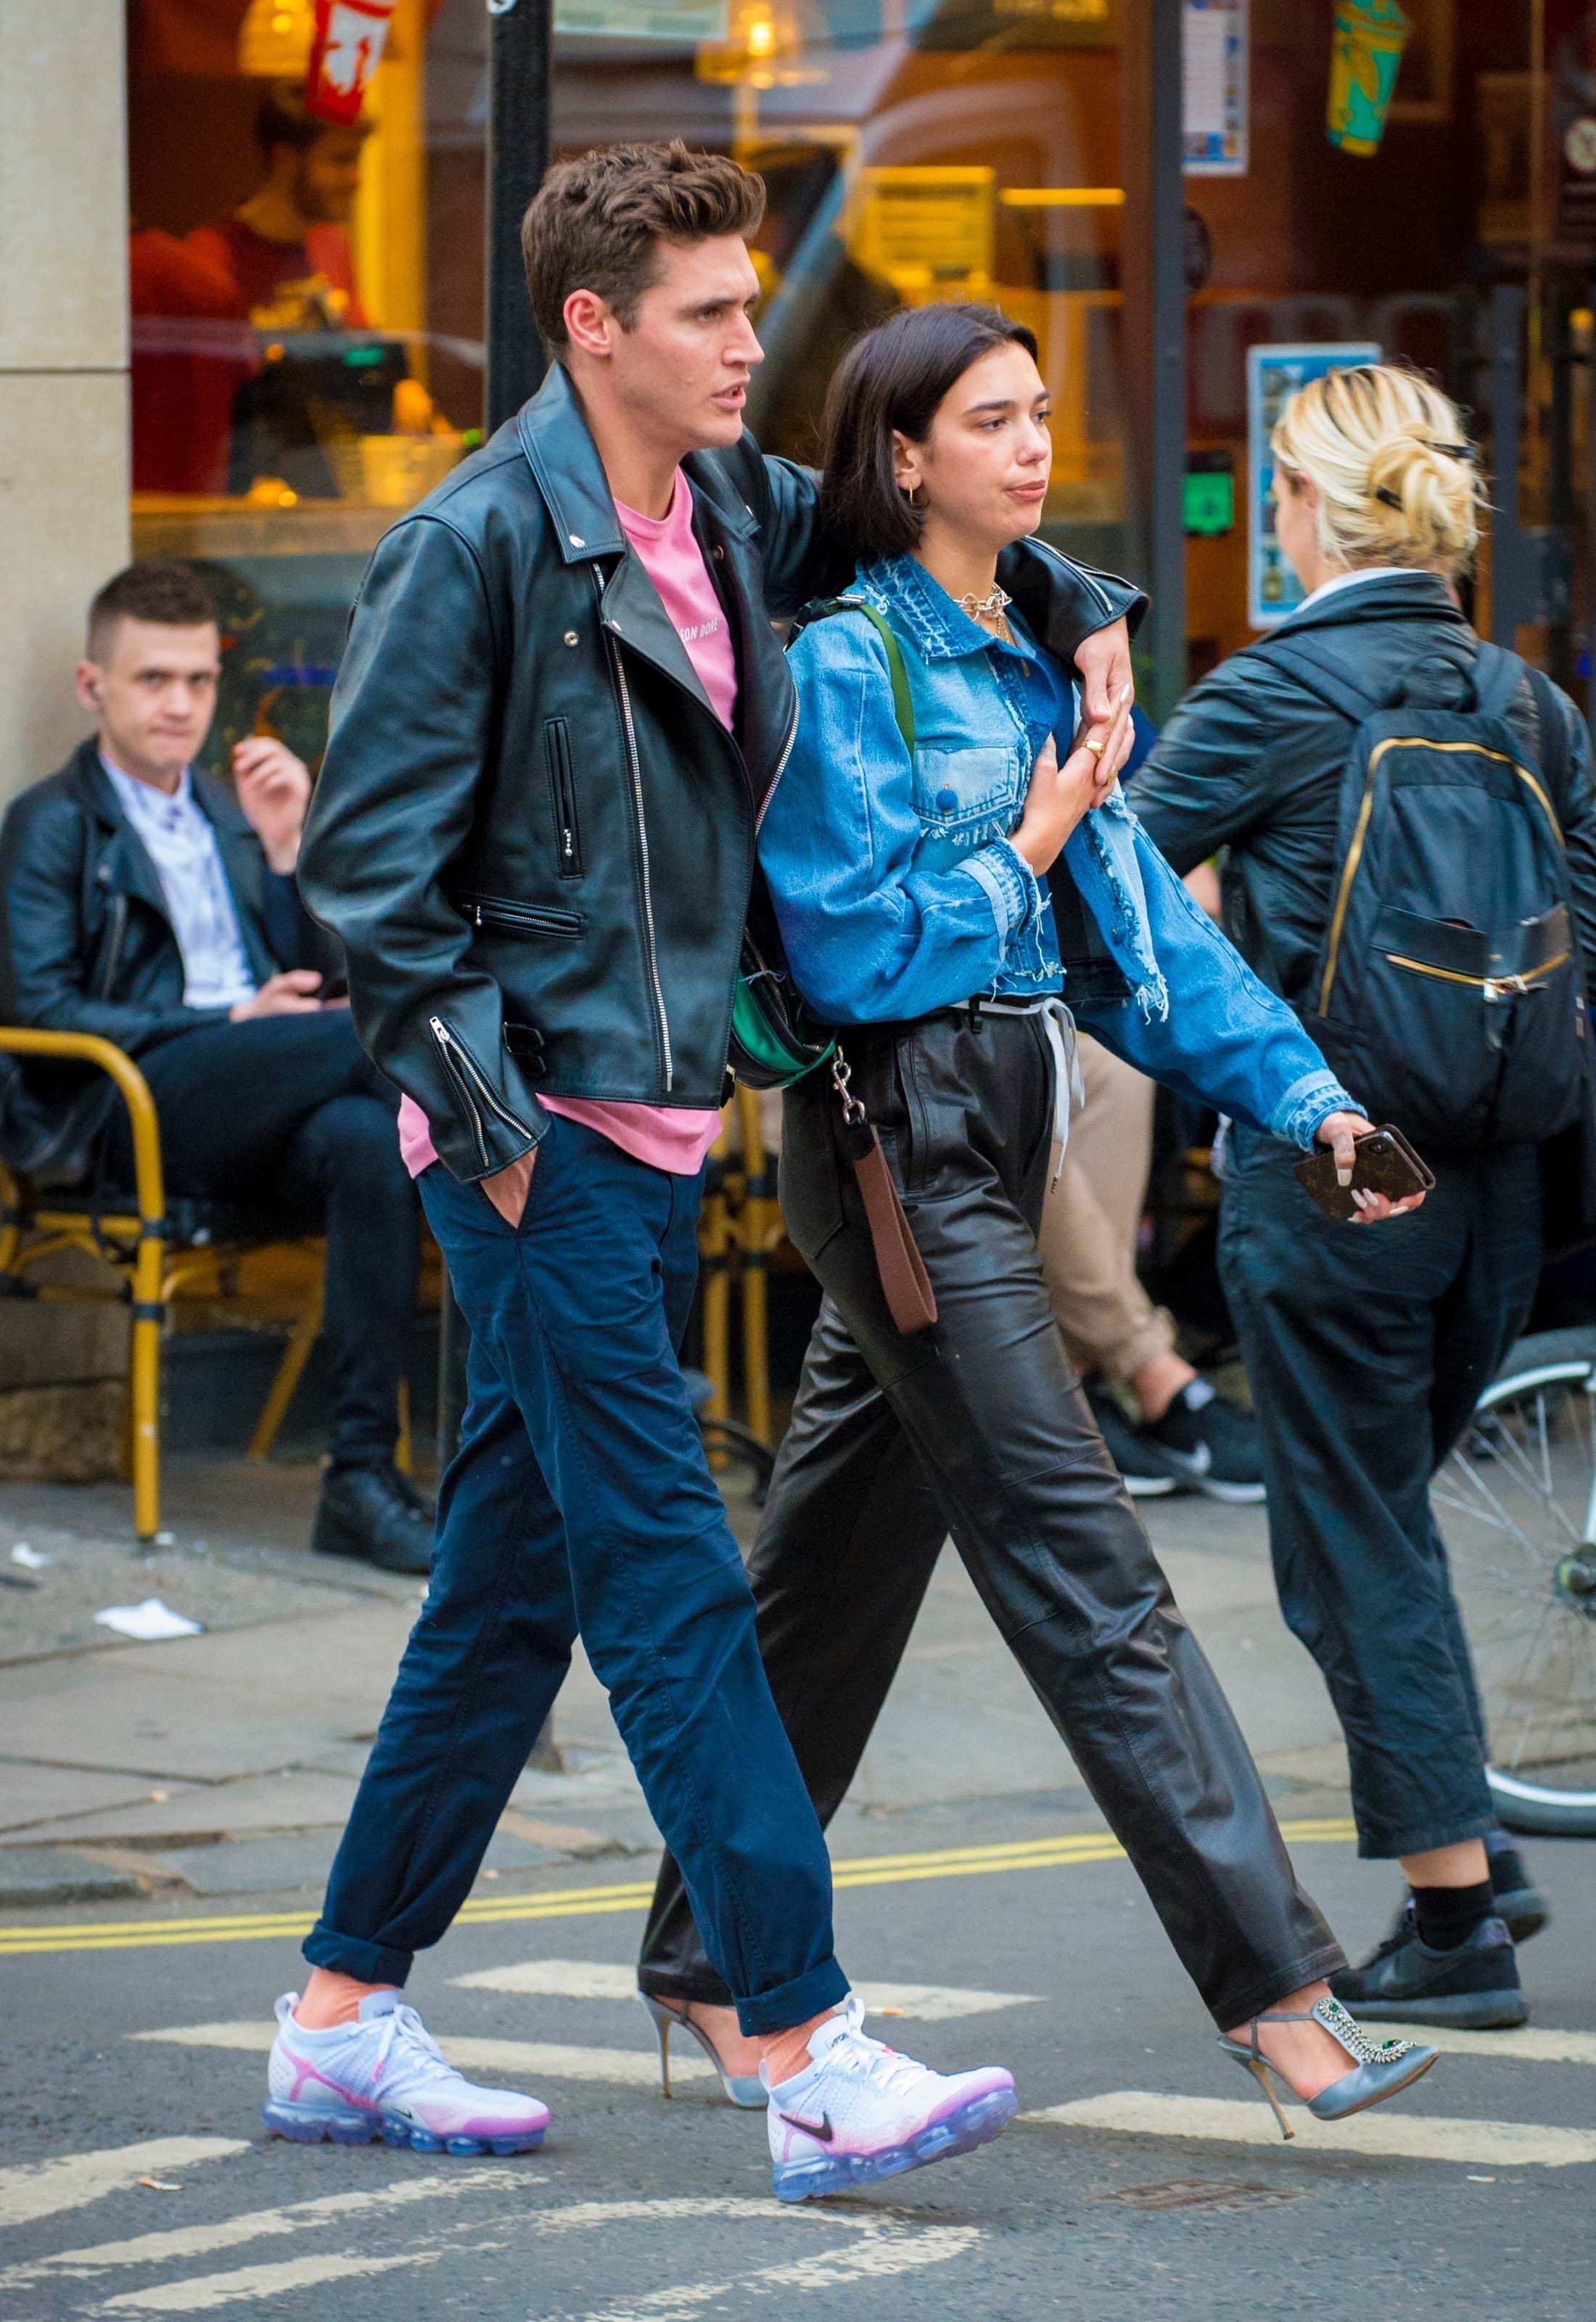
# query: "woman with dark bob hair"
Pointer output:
{"type": "Point", "coordinates": [948, 857]}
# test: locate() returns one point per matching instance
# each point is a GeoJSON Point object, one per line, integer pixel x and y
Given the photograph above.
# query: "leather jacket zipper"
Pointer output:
{"type": "Point", "coordinates": [780, 767]}
{"type": "Point", "coordinates": [648, 900]}
{"type": "Point", "coordinates": [472, 1083]}
{"type": "Point", "coordinates": [518, 919]}
{"type": "Point", "coordinates": [562, 785]}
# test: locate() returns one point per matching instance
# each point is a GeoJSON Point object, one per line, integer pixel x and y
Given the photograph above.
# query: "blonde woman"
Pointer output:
{"type": "Point", "coordinates": [1367, 1351]}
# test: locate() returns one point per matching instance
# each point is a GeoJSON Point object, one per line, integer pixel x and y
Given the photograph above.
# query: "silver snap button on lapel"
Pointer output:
{"type": "Point", "coordinates": [719, 556]}
{"type": "Point", "coordinates": [576, 540]}
{"type": "Point", "coordinates": [571, 637]}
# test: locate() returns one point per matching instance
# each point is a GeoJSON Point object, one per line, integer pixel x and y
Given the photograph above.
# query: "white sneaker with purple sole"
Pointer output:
{"type": "Point", "coordinates": [387, 2077]}
{"type": "Point", "coordinates": [863, 2112]}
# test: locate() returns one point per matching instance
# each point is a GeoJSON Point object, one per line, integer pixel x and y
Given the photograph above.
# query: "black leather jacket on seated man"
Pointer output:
{"type": "Point", "coordinates": [532, 833]}
{"type": "Point", "coordinates": [86, 946]}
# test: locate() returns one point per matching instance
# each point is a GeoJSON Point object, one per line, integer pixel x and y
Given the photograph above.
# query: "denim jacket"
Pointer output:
{"type": "Point", "coordinates": [898, 891]}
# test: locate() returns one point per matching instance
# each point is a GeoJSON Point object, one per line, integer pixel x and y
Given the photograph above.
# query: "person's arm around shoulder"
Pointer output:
{"type": "Point", "coordinates": [413, 716]}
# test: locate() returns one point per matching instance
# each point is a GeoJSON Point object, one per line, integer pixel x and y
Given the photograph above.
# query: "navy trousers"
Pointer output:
{"type": "Point", "coordinates": [1367, 1348]}
{"type": "Point", "coordinates": [579, 1503]}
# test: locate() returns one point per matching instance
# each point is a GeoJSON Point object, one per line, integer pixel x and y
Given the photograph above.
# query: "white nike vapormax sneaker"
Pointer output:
{"type": "Point", "coordinates": [387, 2077]}
{"type": "Point", "coordinates": [863, 2112]}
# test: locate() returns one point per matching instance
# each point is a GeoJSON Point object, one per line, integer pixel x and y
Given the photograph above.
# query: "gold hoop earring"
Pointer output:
{"type": "Point", "coordinates": [909, 495]}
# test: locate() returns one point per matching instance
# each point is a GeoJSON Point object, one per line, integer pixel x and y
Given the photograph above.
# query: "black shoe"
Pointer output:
{"type": "Point", "coordinates": [1474, 1988]}
{"type": "Point", "coordinates": [1206, 1443]}
{"type": "Point", "coordinates": [1517, 1898]}
{"type": "Point", "coordinates": [375, 1514]}
{"type": "Point", "coordinates": [1143, 1479]}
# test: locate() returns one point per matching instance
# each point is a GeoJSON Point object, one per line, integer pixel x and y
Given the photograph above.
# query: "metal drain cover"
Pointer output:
{"type": "Point", "coordinates": [1205, 2193]}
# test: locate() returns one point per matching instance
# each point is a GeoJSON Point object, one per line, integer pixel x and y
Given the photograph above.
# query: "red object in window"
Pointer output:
{"type": "Point", "coordinates": [347, 49]}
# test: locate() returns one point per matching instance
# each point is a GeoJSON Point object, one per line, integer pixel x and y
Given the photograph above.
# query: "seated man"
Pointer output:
{"type": "Point", "coordinates": [140, 901]}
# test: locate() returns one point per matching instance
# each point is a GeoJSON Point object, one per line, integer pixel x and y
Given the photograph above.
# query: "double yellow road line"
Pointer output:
{"type": "Point", "coordinates": [21, 1939]}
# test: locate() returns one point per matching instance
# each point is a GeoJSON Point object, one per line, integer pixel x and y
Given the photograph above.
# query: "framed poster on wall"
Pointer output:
{"type": "Point", "coordinates": [1213, 36]}
{"type": "Point", "coordinates": [1274, 374]}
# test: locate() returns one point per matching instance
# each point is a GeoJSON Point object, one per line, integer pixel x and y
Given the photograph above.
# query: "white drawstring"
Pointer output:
{"type": "Point", "coordinates": [1068, 1093]}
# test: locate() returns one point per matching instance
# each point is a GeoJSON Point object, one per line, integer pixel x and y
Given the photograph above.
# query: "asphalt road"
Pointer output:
{"type": "Point", "coordinates": [1167, 2195]}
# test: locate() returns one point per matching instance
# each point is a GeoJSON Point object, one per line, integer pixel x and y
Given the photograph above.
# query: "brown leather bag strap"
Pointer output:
{"type": "Point", "coordinates": [905, 1282]}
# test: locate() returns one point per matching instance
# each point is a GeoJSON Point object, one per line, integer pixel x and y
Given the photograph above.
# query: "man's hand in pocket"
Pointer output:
{"type": "Point", "coordinates": [507, 1189]}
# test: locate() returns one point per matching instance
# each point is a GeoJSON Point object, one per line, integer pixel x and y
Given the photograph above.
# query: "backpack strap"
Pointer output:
{"type": "Point", "coordinates": [903, 702]}
{"type": "Point", "coordinates": [1321, 672]}
{"type": "Point", "coordinates": [1498, 675]}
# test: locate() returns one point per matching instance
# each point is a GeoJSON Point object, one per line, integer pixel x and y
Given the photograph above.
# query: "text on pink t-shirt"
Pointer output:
{"type": "Point", "coordinates": [665, 1136]}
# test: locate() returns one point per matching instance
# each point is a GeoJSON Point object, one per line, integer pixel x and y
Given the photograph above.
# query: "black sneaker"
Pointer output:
{"type": "Point", "coordinates": [1518, 1900]}
{"type": "Point", "coordinates": [1206, 1443]}
{"type": "Point", "coordinates": [1474, 1988]}
{"type": "Point", "coordinates": [1143, 1479]}
{"type": "Point", "coordinates": [377, 1515]}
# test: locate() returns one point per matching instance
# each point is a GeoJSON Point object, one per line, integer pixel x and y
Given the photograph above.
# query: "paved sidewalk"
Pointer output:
{"type": "Point", "coordinates": [225, 1764]}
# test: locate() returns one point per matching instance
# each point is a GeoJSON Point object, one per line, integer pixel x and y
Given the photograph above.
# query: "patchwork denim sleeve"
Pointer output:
{"type": "Point", "coordinates": [1227, 1040]}
{"type": "Point", "coordinates": [873, 933]}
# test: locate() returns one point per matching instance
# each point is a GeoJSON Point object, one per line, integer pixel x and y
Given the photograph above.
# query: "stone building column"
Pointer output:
{"type": "Point", "coordinates": [64, 445]}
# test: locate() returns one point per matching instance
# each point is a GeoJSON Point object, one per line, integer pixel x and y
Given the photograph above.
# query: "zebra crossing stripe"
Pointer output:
{"type": "Point", "coordinates": [1385, 2132]}
{"type": "Point", "coordinates": [39, 2189]}
{"type": "Point", "coordinates": [541, 2060]}
{"type": "Point", "coordinates": [564, 1979]}
{"type": "Point", "coordinates": [179, 2243]}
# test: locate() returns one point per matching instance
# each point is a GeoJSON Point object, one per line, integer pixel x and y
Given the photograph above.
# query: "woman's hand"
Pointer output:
{"type": "Point", "coordinates": [1341, 1131]}
{"type": "Point", "coordinates": [1059, 796]}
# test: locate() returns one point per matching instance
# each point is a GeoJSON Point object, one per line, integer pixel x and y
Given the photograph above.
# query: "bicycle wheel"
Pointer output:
{"type": "Point", "coordinates": [1517, 1507]}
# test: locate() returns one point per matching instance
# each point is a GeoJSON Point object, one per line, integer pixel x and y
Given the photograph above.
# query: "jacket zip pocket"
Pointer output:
{"type": "Point", "coordinates": [1492, 987]}
{"type": "Point", "coordinates": [563, 791]}
{"type": "Point", "coordinates": [510, 917]}
{"type": "Point", "coordinates": [474, 1089]}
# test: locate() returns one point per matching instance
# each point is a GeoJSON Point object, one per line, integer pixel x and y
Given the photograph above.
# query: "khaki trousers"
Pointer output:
{"type": "Point", "coordinates": [1089, 1222]}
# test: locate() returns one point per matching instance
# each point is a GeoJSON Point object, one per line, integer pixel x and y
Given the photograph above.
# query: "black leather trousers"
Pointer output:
{"type": "Point", "coordinates": [978, 1427]}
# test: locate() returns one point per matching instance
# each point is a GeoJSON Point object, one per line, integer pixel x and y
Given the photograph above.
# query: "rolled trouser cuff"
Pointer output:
{"type": "Point", "coordinates": [809, 1993]}
{"type": "Point", "coordinates": [1386, 1844]}
{"type": "Point", "coordinates": [353, 1955]}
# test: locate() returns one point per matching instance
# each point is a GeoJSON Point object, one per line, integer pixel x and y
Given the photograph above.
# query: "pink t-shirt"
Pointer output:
{"type": "Point", "coordinates": [665, 1136]}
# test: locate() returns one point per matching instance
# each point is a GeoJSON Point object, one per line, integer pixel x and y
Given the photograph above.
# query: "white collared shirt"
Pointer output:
{"type": "Point", "coordinates": [180, 841]}
{"type": "Point", "coordinates": [1358, 573]}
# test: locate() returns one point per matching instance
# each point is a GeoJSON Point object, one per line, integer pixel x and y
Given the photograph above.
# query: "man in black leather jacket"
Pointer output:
{"type": "Point", "coordinates": [144, 902]}
{"type": "Point", "coordinates": [534, 833]}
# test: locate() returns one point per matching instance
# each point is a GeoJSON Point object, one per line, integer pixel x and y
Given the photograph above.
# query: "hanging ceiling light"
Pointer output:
{"type": "Point", "coordinates": [275, 38]}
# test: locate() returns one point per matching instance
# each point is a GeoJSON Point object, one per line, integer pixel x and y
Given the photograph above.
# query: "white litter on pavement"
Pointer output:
{"type": "Point", "coordinates": [30, 1558]}
{"type": "Point", "coordinates": [149, 1623]}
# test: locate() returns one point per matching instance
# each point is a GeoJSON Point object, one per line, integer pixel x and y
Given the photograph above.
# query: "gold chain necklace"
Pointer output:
{"type": "Point", "coordinates": [988, 608]}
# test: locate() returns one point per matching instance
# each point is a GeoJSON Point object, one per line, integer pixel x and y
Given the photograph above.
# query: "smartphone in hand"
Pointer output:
{"type": "Point", "coordinates": [1384, 1163]}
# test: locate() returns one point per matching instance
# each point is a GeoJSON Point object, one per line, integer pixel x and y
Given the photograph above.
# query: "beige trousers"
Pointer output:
{"type": "Point", "coordinates": [1089, 1222]}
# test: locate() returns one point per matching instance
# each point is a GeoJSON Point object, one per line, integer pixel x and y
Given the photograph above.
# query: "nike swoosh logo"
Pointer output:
{"type": "Point", "coordinates": [822, 2132]}
{"type": "Point", "coordinates": [1193, 1463]}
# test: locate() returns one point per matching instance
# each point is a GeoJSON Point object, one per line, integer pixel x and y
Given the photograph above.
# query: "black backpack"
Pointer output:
{"type": "Point", "coordinates": [1447, 993]}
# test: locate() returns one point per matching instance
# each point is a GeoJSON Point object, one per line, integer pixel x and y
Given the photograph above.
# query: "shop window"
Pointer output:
{"type": "Point", "coordinates": [306, 316]}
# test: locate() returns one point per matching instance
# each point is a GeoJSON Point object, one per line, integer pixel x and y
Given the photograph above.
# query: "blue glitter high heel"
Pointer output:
{"type": "Point", "coordinates": [1379, 2069]}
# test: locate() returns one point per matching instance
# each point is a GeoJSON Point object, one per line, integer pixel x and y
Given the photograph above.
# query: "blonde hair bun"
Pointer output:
{"type": "Point", "coordinates": [1395, 471]}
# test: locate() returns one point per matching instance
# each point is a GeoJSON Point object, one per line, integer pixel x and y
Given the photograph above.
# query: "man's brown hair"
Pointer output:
{"type": "Point", "coordinates": [163, 589]}
{"type": "Point", "coordinates": [596, 224]}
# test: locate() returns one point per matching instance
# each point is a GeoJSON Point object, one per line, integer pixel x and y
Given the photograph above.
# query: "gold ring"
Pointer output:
{"type": "Point", "coordinates": [1097, 748]}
